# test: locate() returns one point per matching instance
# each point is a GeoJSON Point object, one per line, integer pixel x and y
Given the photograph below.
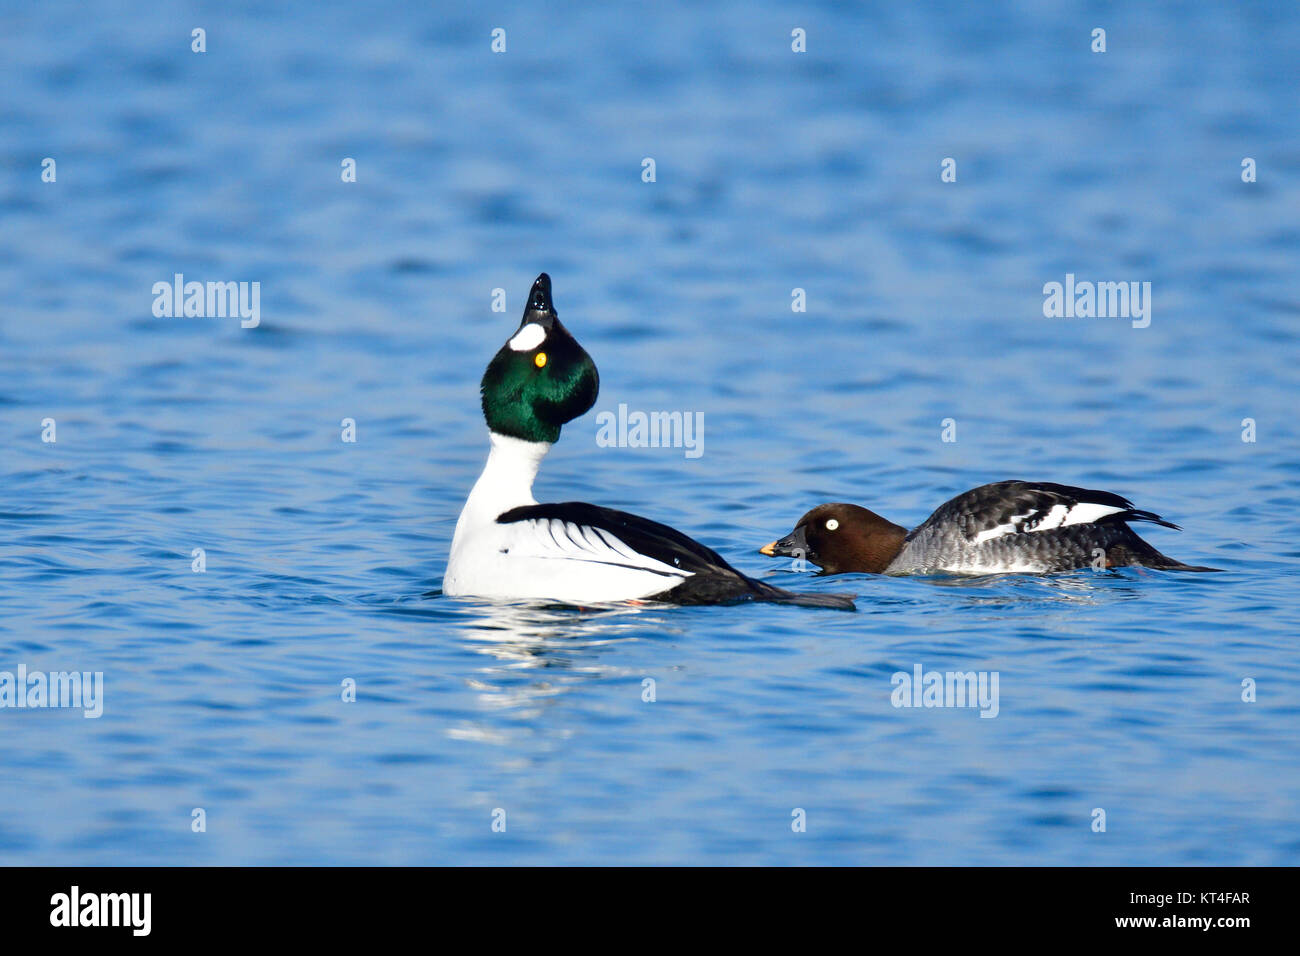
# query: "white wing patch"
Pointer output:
{"type": "Point", "coordinates": [1058, 516]}
{"type": "Point", "coordinates": [1086, 512]}
{"type": "Point", "coordinates": [529, 337]}
{"type": "Point", "coordinates": [1010, 528]}
{"type": "Point", "coordinates": [553, 538]}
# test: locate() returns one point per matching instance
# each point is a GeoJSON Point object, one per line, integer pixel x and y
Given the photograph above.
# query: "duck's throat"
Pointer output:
{"type": "Point", "coordinates": [507, 479]}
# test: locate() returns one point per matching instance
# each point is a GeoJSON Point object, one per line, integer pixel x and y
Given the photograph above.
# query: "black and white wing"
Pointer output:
{"type": "Point", "coordinates": [583, 532]}
{"type": "Point", "coordinates": [1021, 507]}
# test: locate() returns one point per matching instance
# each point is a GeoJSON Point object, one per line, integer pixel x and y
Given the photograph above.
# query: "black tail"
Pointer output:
{"type": "Point", "coordinates": [834, 602]}
{"type": "Point", "coordinates": [1132, 514]}
{"type": "Point", "coordinates": [1166, 563]}
{"type": "Point", "coordinates": [1135, 551]}
{"type": "Point", "coordinates": [736, 588]}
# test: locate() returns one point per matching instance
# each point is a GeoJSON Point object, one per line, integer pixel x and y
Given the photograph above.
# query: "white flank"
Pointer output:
{"type": "Point", "coordinates": [529, 337]}
{"type": "Point", "coordinates": [552, 538]}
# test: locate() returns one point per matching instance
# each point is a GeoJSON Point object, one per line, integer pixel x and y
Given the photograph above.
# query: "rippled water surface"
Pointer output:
{"type": "Point", "coordinates": [774, 171]}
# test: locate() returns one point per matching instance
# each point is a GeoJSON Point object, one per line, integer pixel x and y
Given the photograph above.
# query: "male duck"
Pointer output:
{"type": "Point", "coordinates": [1005, 526]}
{"type": "Point", "coordinates": [507, 545]}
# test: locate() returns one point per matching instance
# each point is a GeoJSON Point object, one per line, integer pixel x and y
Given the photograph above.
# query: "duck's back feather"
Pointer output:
{"type": "Point", "coordinates": [1033, 526]}
{"type": "Point", "coordinates": [1016, 507]}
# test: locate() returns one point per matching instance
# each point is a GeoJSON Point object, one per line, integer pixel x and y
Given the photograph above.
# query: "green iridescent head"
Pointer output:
{"type": "Point", "coordinates": [541, 378]}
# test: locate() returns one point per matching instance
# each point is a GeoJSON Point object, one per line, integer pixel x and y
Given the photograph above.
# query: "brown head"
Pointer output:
{"type": "Point", "coordinates": [840, 538]}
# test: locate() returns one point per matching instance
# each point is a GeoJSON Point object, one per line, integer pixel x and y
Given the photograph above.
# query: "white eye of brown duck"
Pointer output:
{"type": "Point", "coordinates": [832, 524]}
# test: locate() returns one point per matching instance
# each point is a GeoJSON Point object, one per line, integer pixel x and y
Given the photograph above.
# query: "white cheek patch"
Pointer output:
{"type": "Point", "coordinates": [528, 338]}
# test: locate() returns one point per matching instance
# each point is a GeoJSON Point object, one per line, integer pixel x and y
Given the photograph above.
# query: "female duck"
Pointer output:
{"type": "Point", "coordinates": [1005, 526]}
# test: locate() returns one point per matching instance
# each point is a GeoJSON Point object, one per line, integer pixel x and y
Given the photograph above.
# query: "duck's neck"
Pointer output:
{"type": "Point", "coordinates": [507, 479]}
{"type": "Point", "coordinates": [884, 547]}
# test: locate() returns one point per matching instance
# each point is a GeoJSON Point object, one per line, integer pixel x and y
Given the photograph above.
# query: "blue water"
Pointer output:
{"type": "Point", "coordinates": [774, 171]}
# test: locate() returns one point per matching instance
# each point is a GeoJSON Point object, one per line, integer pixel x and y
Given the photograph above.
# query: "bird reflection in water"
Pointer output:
{"type": "Point", "coordinates": [539, 651]}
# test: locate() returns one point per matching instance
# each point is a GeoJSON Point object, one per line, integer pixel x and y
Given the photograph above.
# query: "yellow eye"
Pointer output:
{"type": "Point", "coordinates": [539, 359]}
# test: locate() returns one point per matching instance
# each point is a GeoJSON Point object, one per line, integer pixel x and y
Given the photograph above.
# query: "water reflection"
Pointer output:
{"type": "Point", "coordinates": [538, 652]}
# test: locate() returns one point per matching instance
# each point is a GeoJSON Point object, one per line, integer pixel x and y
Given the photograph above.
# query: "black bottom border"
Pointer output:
{"type": "Point", "coordinates": [336, 905]}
